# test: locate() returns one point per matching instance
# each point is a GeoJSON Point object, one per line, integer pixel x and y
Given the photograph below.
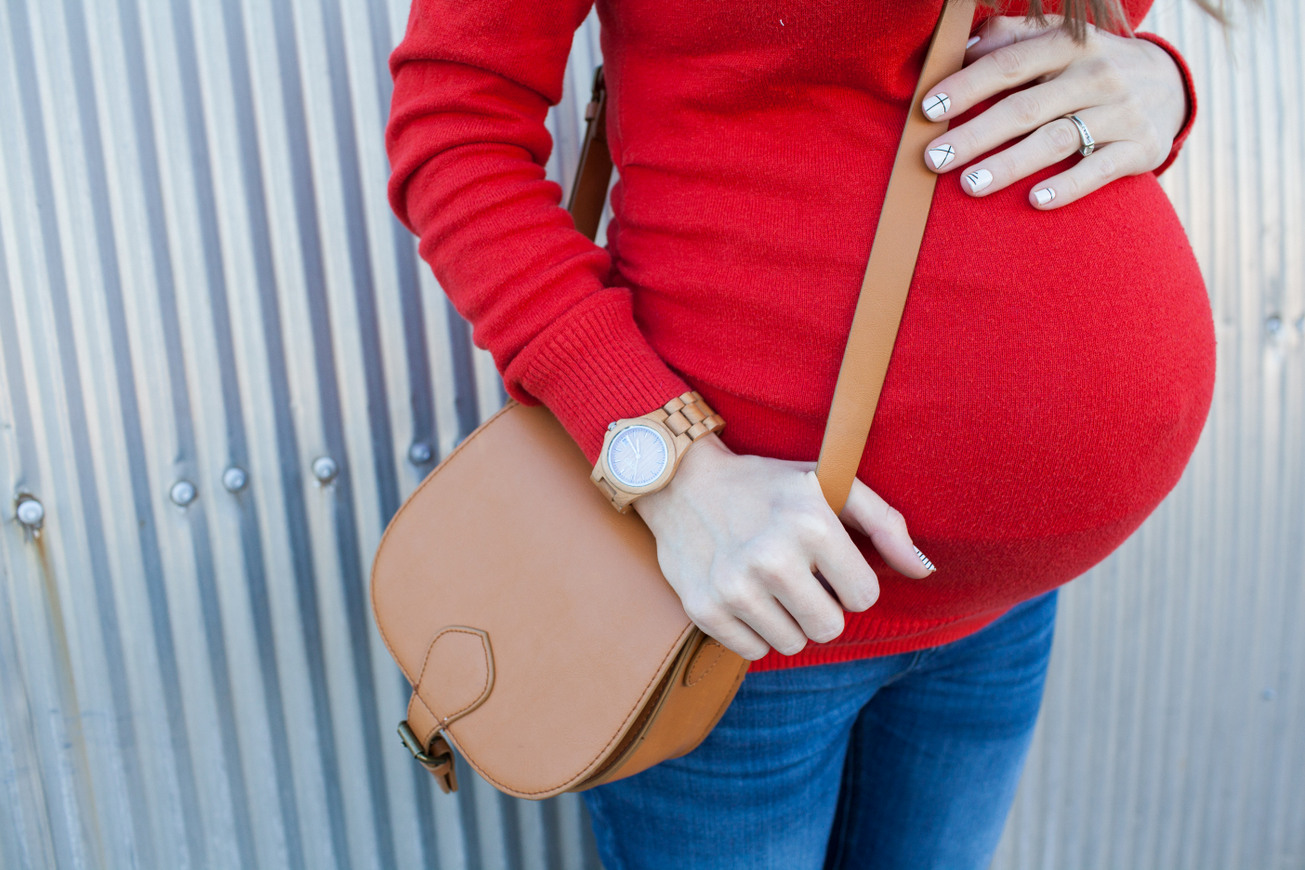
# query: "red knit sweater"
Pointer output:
{"type": "Point", "coordinates": [1053, 370]}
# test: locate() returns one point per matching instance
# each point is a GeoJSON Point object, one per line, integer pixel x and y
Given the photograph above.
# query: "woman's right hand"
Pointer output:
{"type": "Point", "coordinates": [740, 538]}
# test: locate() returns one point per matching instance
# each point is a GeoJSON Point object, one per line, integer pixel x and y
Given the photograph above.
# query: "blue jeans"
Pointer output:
{"type": "Point", "coordinates": [907, 761]}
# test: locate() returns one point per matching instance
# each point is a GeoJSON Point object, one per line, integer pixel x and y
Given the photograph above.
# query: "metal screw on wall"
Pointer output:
{"type": "Point", "coordinates": [183, 492]}
{"type": "Point", "coordinates": [1274, 325]}
{"type": "Point", "coordinates": [235, 478]}
{"type": "Point", "coordinates": [31, 513]}
{"type": "Point", "coordinates": [325, 469]}
{"type": "Point", "coordinates": [420, 453]}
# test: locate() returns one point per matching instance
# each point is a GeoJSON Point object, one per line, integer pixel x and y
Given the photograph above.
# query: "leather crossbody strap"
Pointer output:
{"type": "Point", "coordinates": [889, 270]}
{"type": "Point", "coordinates": [888, 273]}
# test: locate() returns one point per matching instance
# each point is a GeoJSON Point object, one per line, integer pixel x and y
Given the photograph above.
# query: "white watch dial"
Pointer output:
{"type": "Point", "coordinates": [637, 456]}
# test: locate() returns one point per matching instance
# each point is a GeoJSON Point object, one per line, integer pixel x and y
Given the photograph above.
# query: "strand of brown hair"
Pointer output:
{"type": "Point", "coordinates": [1106, 14]}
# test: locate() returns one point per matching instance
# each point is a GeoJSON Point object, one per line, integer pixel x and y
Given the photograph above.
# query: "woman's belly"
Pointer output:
{"type": "Point", "coordinates": [1051, 377]}
{"type": "Point", "coordinates": [1047, 388]}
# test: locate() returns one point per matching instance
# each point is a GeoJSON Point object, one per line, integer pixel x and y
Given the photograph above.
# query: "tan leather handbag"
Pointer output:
{"type": "Point", "coordinates": [531, 618]}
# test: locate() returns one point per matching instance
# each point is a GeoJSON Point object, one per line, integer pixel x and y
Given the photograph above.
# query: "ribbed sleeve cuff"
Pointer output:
{"type": "Point", "coordinates": [1188, 86]}
{"type": "Point", "coordinates": [592, 367]}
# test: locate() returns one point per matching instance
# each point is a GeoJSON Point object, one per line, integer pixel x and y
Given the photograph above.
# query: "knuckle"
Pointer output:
{"type": "Point", "coordinates": [1106, 74]}
{"type": "Point", "coordinates": [703, 613]}
{"type": "Point", "coordinates": [1151, 144]}
{"type": "Point", "coordinates": [791, 646]}
{"type": "Point", "coordinates": [863, 595]}
{"type": "Point", "coordinates": [733, 593]}
{"type": "Point", "coordinates": [894, 522]}
{"type": "Point", "coordinates": [1008, 61]}
{"type": "Point", "coordinates": [967, 141]}
{"type": "Point", "coordinates": [827, 629]}
{"type": "Point", "coordinates": [1134, 108]}
{"type": "Point", "coordinates": [1106, 167]}
{"type": "Point", "coordinates": [1026, 109]}
{"type": "Point", "coordinates": [1063, 136]}
{"type": "Point", "coordinates": [765, 559]}
{"type": "Point", "coordinates": [809, 525]}
{"type": "Point", "coordinates": [1157, 149]}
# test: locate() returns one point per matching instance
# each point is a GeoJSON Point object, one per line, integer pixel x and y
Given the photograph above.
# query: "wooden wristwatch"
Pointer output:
{"type": "Point", "coordinates": [640, 454]}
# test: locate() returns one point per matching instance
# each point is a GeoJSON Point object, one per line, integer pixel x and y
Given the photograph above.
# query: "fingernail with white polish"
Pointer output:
{"type": "Point", "coordinates": [978, 180]}
{"type": "Point", "coordinates": [941, 155]}
{"type": "Point", "coordinates": [1044, 196]}
{"type": "Point", "coordinates": [974, 40]}
{"type": "Point", "coordinates": [936, 106]}
{"type": "Point", "coordinates": [924, 560]}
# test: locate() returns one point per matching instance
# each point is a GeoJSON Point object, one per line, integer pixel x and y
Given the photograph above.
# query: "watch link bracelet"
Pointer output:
{"type": "Point", "coordinates": [640, 454]}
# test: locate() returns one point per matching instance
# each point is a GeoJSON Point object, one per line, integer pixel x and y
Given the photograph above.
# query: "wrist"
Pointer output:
{"type": "Point", "coordinates": [696, 467]}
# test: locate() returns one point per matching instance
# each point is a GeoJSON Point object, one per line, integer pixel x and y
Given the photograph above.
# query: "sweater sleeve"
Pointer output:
{"type": "Point", "coordinates": [473, 81]}
{"type": "Point", "coordinates": [1189, 88]}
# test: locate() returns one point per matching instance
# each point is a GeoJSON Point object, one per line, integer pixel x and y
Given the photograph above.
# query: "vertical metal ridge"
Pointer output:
{"type": "Point", "coordinates": [71, 403]}
{"type": "Point", "coordinates": [340, 494]}
{"type": "Point", "coordinates": [376, 408]}
{"type": "Point", "coordinates": [251, 530]}
{"type": "Point", "coordinates": [422, 420]}
{"type": "Point", "coordinates": [314, 745]}
{"type": "Point", "coordinates": [134, 439]}
{"type": "Point", "coordinates": [235, 795]}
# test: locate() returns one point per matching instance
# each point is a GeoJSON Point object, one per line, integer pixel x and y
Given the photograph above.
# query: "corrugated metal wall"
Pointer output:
{"type": "Point", "coordinates": [222, 366]}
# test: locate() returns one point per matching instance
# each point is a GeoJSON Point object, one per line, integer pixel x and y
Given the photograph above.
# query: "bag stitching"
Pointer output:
{"type": "Point", "coordinates": [479, 635]}
{"type": "Point", "coordinates": [576, 778]}
{"type": "Point", "coordinates": [512, 403]}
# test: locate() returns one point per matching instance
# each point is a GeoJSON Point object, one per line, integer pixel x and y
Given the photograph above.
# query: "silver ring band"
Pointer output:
{"type": "Point", "coordinates": [1089, 144]}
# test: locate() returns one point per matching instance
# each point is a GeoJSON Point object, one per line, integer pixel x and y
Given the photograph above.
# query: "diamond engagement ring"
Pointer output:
{"type": "Point", "coordinates": [1089, 144]}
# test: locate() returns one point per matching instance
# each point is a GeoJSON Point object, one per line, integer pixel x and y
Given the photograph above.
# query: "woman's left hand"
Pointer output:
{"type": "Point", "coordinates": [1128, 93]}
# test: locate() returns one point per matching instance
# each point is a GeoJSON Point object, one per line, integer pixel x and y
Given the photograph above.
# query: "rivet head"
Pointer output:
{"type": "Point", "coordinates": [1273, 324]}
{"type": "Point", "coordinates": [30, 512]}
{"type": "Point", "coordinates": [235, 479]}
{"type": "Point", "coordinates": [183, 492]}
{"type": "Point", "coordinates": [325, 469]}
{"type": "Point", "coordinates": [420, 453]}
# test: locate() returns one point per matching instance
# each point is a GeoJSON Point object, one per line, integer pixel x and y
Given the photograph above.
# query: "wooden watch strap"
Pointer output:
{"type": "Point", "coordinates": [690, 415]}
{"type": "Point", "coordinates": [687, 416]}
{"type": "Point", "coordinates": [889, 270]}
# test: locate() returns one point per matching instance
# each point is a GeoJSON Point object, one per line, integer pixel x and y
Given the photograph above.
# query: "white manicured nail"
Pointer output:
{"type": "Point", "coordinates": [978, 180]}
{"type": "Point", "coordinates": [936, 106]}
{"type": "Point", "coordinates": [974, 40]}
{"type": "Point", "coordinates": [941, 155]}
{"type": "Point", "coordinates": [924, 560]}
{"type": "Point", "coordinates": [1044, 196]}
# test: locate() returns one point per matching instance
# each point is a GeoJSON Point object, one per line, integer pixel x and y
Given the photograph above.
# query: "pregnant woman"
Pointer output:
{"type": "Point", "coordinates": [1051, 376]}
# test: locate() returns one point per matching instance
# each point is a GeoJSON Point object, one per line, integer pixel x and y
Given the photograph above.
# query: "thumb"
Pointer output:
{"type": "Point", "coordinates": [886, 528]}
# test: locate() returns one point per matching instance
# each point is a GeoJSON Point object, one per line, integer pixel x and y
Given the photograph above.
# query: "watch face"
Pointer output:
{"type": "Point", "coordinates": [638, 456]}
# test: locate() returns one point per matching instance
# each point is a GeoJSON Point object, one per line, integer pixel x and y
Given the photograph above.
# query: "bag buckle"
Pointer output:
{"type": "Point", "coordinates": [437, 758]}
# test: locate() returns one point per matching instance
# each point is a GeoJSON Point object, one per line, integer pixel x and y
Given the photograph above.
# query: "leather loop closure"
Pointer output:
{"type": "Point", "coordinates": [705, 658]}
{"type": "Point", "coordinates": [458, 674]}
